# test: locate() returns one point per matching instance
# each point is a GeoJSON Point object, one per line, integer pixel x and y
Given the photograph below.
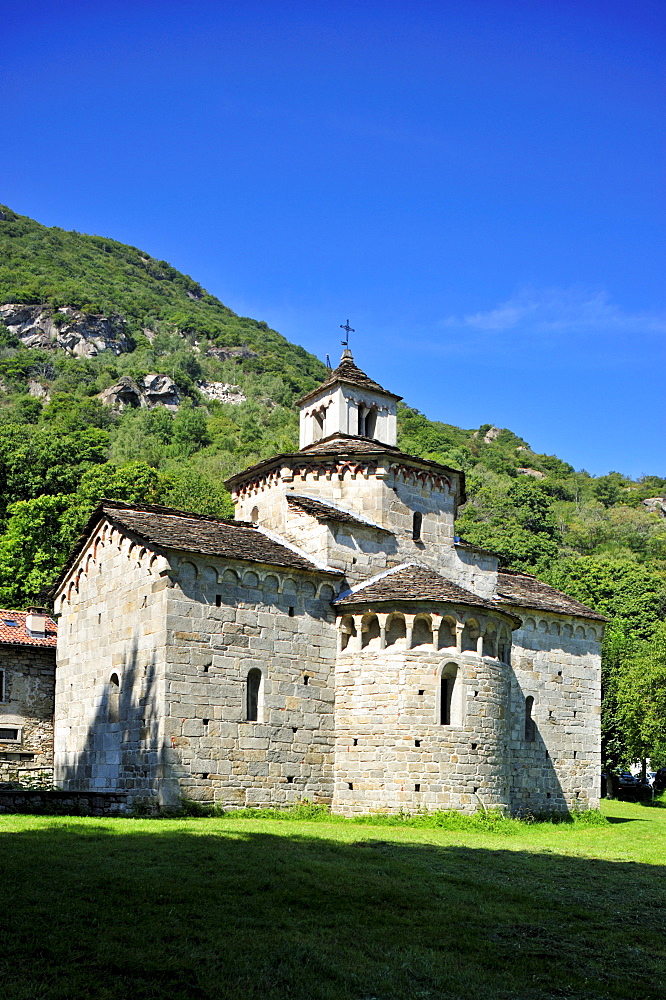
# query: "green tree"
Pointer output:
{"type": "Point", "coordinates": [518, 524]}
{"type": "Point", "coordinates": [196, 492]}
{"type": "Point", "coordinates": [36, 461]}
{"type": "Point", "coordinates": [641, 698]}
{"type": "Point", "coordinates": [616, 647]}
{"type": "Point", "coordinates": [33, 548]}
{"type": "Point", "coordinates": [632, 595]}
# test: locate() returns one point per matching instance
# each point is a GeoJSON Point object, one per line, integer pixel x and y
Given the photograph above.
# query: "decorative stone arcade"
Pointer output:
{"type": "Point", "coordinates": [421, 703]}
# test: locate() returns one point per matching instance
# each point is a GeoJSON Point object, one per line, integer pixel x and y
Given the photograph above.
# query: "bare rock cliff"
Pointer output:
{"type": "Point", "coordinates": [80, 334]}
{"type": "Point", "coordinates": [150, 391]}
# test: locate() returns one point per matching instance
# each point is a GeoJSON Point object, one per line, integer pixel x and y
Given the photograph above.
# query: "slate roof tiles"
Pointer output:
{"type": "Point", "coordinates": [168, 528]}
{"type": "Point", "coordinates": [411, 582]}
{"type": "Point", "coordinates": [525, 591]}
{"type": "Point", "coordinates": [327, 512]}
{"type": "Point", "coordinates": [347, 371]}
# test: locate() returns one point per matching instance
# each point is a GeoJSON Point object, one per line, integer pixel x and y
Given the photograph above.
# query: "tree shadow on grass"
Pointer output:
{"type": "Point", "coordinates": [624, 819]}
{"type": "Point", "coordinates": [160, 912]}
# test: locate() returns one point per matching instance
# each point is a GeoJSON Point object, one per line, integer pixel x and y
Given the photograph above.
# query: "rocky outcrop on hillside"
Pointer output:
{"type": "Point", "coordinates": [148, 392]}
{"type": "Point", "coordinates": [221, 391]}
{"type": "Point", "coordinates": [38, 390]}
{"type": "Point", "coordinates": [527, 471]}
{"type": "Point", "coordinates": [230, 353]}
{"type": "Point", "coordinates": [655, 505]}
{"type": "Point", "coordinates": [490, 435]}
{"type": "Point", "coordinates": [80, 334]}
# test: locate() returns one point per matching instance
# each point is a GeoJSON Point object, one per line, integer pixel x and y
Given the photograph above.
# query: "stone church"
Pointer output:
{"type": "Point", "coordinates": [336, 642]}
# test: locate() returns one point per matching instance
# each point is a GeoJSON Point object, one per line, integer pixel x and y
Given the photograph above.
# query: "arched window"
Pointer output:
{"type": "Point", "coordinates": [470, 635]}
{"type": "Point", "coordinates": [447, 634]}
{"type": "Point", "coordinates": [489, 645]}
{"type": "Point", "coordinates": [530, 728]}
{"type": "Point", "coordinates": [422, 632]}
{"type": "Point", "coordinates": [254, 695]}
{"type": "Point", "coordinates": [370, 632]}
{"type": "Point", "coordinates": [347, 630]}
{"type": "Point", "coordinates": [450, 707]}
{"type": "Point", "coordinates": [318, 418]}
{"type": "Point", "coordinates": [113, 698]}
{"type": "Point", "coordinates": [367, 421]}
{"type": "Point", "coordinates": [396, 633]}
{"type": "Point", "coordinates": [254, 516]}
{"type": "Point", "coordinates": [417, 522]}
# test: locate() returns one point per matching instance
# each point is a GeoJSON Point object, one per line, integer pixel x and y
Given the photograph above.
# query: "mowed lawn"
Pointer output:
{"type": "Point", "coordinates": [263, 908]}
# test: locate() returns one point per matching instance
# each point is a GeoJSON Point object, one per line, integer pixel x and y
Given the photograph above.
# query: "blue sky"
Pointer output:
{"type": "Point", "coordinates": [477, 185]}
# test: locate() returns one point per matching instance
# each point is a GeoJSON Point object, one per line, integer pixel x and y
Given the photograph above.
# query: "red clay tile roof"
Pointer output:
{"type": "Point", "coordinates": [326, 512]}
{"type": "Point", "coordinates": [525, 591]}
{"type": "Point", "coordinates": [18, 635]}
{"type": "Point", "coordinates": [177, 529]}
{"type": "Point", "coordinates": [411, 582]}
{"type": "Point", "coordinates": [348, 372]}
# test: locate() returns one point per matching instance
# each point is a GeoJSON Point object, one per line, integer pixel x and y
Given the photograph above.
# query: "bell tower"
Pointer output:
{"type": "Point", "coordinates": [348, 404]}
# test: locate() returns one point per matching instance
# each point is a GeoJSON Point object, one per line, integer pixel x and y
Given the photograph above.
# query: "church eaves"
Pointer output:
{"type": "Point", "coordinates": [342, 447]}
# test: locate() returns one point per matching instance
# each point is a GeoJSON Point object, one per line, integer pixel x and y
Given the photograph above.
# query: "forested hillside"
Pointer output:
{"type": "Point", "coordinates": [62, 448]}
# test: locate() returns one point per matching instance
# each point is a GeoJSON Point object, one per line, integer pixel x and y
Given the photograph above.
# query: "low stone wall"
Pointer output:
{"type": "Point", "coordinates": [59, 803]}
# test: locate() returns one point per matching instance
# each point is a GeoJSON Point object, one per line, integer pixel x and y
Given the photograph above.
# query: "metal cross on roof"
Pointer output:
{"type": "Point", "coordinates": [348, 329]}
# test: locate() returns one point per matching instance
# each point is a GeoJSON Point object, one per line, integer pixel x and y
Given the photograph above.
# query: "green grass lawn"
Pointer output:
{"type": "Point", "coordinates": [265, 908]}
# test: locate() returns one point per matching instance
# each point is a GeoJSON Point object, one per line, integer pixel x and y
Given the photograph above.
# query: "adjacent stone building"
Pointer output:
{"type": "Point", "coordinates": [337, 642]}
{"type": "Point", "coordinates": [27, 679]}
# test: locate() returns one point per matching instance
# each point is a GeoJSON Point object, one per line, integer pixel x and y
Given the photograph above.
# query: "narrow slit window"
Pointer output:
{"type": "Point", "coordinates": [2, 685]}
{"type": "Point", "coordinates": [530, 728]}
{"type": "Point", "coordinates": [417, 524]}
{"type": "Point", "coordinates": [114, 699]}
{"type": "Point", "coordinates": [254, 692]}
{"type": "Point", "coordinates": [445, 692]}
{"type": "Point", "coordinates": [450, 709]}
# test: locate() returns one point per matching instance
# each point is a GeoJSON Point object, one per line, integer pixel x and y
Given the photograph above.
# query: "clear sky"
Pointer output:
{"type": "Point", "coordinates": [476, 184]}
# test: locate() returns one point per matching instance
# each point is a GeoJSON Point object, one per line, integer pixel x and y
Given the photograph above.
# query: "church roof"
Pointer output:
{"type": "Point", "coordinates": [348, 373]}
{"type": "Point", "coordinates": [168, 528]}
{"type": "Point", "coordinates": [349, 442]}
{"type": "Point", "coordinates": [525, 591]}
{"type": "Point", "coordinates": [14, 632]}
{"type": "Point", "coordinates": [328, 512]}
{"type": "Point", "coordinates": [411, 582]}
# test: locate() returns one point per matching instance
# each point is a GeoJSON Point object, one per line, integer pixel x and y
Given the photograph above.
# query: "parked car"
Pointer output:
{"type": "Point", "coordinates": [659, 783]}
{"type": "Point", "coordinates": [627, 786]}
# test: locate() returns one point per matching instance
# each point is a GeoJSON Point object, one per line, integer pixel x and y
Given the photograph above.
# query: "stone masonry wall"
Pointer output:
{"type": "Point", "coordinates": [556, 661]}
{"type": "Point", "coordinates": [109, 737]}
{"type": "Point", "coordinates": [388, 497]}
{"type": "Point", "coordinates": [28, 707]}
{"type": "Point", "coordinates": [392, 753]}
{"type": "Point", "coordinates": [225, 619]}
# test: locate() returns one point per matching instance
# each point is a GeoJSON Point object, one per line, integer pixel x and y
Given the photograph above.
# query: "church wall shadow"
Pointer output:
{"type": "Point", "coordinates": [146, 909]}
{"type": "Point", "coordinates": [122, 751]}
